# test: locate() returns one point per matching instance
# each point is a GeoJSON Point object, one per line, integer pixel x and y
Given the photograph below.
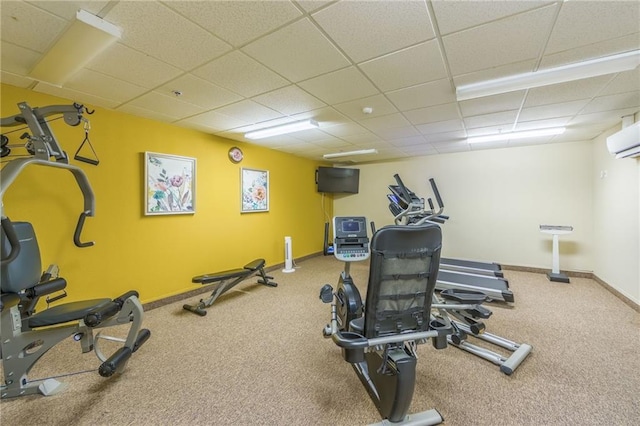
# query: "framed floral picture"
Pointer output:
{"type": "Point", "coordinates": [254, 190]}
{"type": "Point", "coordinates": [170, 184]}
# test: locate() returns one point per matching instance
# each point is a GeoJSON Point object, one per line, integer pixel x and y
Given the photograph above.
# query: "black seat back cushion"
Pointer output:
{"type": "Point", "coordinates": [24, 272]}
{"type": "Point", "coordinates": [402, 278]}
{"type": "Point", "coordinates": [67, 312]}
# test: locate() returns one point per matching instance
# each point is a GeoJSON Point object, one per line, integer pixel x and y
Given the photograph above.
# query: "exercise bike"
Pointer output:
{"type": "Point", "coordinates": [379, 338]}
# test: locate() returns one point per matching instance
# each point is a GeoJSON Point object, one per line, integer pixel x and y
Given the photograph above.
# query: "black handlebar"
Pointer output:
{"type": "Point", "coordinates": [78, 231]}
{"type": "Point", "coordinates": [14, 241]}
{"type": "Point", "coordinates": [405, 192]}
{"type": "Point", "coordinates": [436, 193]}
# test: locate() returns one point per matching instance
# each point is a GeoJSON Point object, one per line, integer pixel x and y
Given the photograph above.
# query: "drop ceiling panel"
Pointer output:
{"type": "Point", "coordinates": [504, 119]}
{"type": "Point", "coordinates": [345, 130]}
{"type": "Point", "coordinates": [140, 69]}
{"type": "Point", "coordinates": [199, 92]}
{"type": "Point", "coordinates": [543, 112]}
{"type": "Point", "coordinates": [27, 26]}
{"type": "Point", "coordinates": [365, 30]}
{"type": "Point", "coordinates": [451, 17]}
{"type": "Point", "coordinates": [423, 95]}
{"type": "Point", "coordinates": [612, 102]}
{"type": "Point", "coordinates": [241, 74]}
{"type": "Point", "coordinates": [583, 23]}
{"type": "Point", "coordinates": [17, 59]}
{"type": "Point", "coordinates": [574, 90]}
{"type": "Point", "coordinates": [289, 100]}
{"type": "Point", "coordinates": [446, 137]}
{"type": "Point", "coordinates": [390, 121]}
{"type": "Point", "coordinates": [77, 96]}
{"type": "Point", "coordinates": [432, 114]}
{"type": "Point", "coordinates": [249, 111]}
{"type": "Point", "coordinates": [397, 132]}
{"type": "Point", "coordinates": [592, 51]}
{"type": "Point", "coordinates": [105, 86]}
{"type": "Point", "coordinates": [408, 141]}
{"type": "Point", "coordinates": [237, 22]}
{"type": "Point", "coordinates": [623, 82]}
{"type": "Point", "coordinates": [339, 86]}
{"type": "Point", "coordinates": [185, 46]}
{"type": "Point", "coordinates": [214, 121]}
{"type": "Point", "coordinates": [378, 103]}
{"type": "Point", "coordinates": [490, 104]}
{"type": "Point", "coordinates": [298, 51]}
{"type": "Point", "coordinates": [15, 80]}
{"type": "Point", "coordinates": [67, 9]}
{"type": "Point", "coordinates": [440, 127]}
{"type": "Point", "coordinates": [502, 42]}
{"type": "Point", "coordinates": [169, 106]}
{"type": "Point", "coordinates": [414, 65]}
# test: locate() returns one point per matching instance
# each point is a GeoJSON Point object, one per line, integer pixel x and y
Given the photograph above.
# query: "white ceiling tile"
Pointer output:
{"type": "Point", "coordinates": [494, 72]}
{"type": "Point", "coordinates": [27, 26]}
{"type": "Point", "coordinates": [543, 112]}
{"type": "Point", "coordinates": [16, 59]}
{"type": "Point", "coordinates": [289, 100]}
{"type": "Point", "coordinates": [199, 92]}
{"type": "Point", "coordinates": [583, 23]}
{"type": "Point", "coordinates": [440, 127]}
{"type": "Point", "coordinates": [249, 111]}
{"type": "Point", "coordinates": [452, 146]}
{"type": "Point", "coordinates": [73, 95]}
{"type": "Point", "coordinates": [339, 86]}
{"type": "Point", "coordinates": [502, 42]}
{"type": "Point", "coordinates": [298, 51]}
{"type": "Point", "coordinates": [332, 143]}
{"type": "Point", "coordinates": [445, 137]}
{"type": "Point", "coordinates": [214, 121]}
{"type": "Point", "coordinates": [366, 29]}
{"type": "Point", "coordinates": [613, 102]}
{"type": "Point", "coordinates": [312, 135]}
{"type": "Point", "coordinates": [505, 119]}
{"type": "Point", "coordinates": [592, 51]}
{"type": "Point", "coordinates": [390, 121]}
{"type": "Point", "coordinates": [326, 117]}
{"type": "Point", "coordinates": [397, 132]}
{"type": "Point", "coordinates": [378, 103]}
{"type": "Point", "coordinates": [237, 22]}
{"type": "Point", "coordinates": [563, 92]}
{"type": "Point", "coordinates": [623, 82]}
{"type": "Point", "coordinates": [311, 5]}
{"type": "Point", "coordinates": [490, 104]}
{"type": "Point", "coordinates": [452, 16]}
{"type": "Point", "coordinates": [424, 95]}
{"type": "Point", "coordinates": [542, 124]}
{"type": "Point", "coordinates": [364, 139]}
{"type": "Point", "coordinates": [166, 105]}
{"type": "Point", "coordinates": [419, 150]}
{"type": "Point", "coordinates": [239, 73]}
{"type": "Point", "coordinates": [184, 45]}
{"type": "Point", "coordinates": [408, 141]}
{"type": "Point", "coordinates": [344, 130]}
{"type": "Point", "coordinates": [67, 9]}
{"type": "Point", "coordinates": [139, 69]}
{"type": "Point", "coordinates": [432, 114]}
{"type": "Point", "coordinates": [604, 119]}
{"type": "Point", "coordinates": [408, 67]}
{"type": "Point", "coordinates": [15, 79]}
{"type": "Point", "coordinates": [104, 86]}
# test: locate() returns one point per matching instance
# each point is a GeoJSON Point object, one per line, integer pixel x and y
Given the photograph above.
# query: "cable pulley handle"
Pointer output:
{"type": "Point", "coordinates": [77, 155]}
{"type": "Point", "coordinates": [78, 231]}
{"type": "Point", "coordinates": [434, 188]}
{"type": "Point", "coordinates": [14, 241]}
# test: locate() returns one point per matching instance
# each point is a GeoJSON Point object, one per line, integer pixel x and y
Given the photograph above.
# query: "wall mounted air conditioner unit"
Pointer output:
{"type": "Point", "coordinates": [625, 143]}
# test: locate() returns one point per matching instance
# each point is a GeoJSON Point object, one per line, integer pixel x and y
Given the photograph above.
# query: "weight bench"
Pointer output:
{"type": "Point", "coordinates": [226, 280]}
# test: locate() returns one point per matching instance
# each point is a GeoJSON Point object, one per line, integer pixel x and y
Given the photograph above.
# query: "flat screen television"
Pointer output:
{"type": "Point", "coordinates": [337, 180]}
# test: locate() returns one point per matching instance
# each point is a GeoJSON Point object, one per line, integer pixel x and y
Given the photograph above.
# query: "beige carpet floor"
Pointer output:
{"type": "Point", "coordinates": [259, 357]}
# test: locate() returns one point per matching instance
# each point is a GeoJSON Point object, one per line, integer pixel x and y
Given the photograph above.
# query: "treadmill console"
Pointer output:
{"type": "Point", "coordinates": [351, 243]}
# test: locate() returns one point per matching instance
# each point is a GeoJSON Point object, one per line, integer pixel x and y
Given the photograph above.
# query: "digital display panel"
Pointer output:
{"type": "Point", "coordinates": [351, 226]}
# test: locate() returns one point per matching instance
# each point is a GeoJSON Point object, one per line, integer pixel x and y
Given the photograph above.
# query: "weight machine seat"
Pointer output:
{"type": "Point", "coordinates": [67, 312]}
{"type": "Point", "coordinates": [247, 269]}
{"type": "Point", "coordinates": [402, 278]}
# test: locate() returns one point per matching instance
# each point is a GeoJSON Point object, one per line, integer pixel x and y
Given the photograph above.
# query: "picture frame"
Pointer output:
{"type": "Point", "coordinates": [254, 190]}
{"type": "Point", "coordinates": [170, 184]}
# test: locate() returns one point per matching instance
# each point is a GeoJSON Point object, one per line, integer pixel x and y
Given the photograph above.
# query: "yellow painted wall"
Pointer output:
{"type": "Point", "coordinates": [158, 255]}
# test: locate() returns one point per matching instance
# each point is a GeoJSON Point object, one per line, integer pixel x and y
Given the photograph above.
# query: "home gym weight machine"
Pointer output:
{"type": "Point", "coordinates": [379, 338]}
{"type": "Point", "coordinates": [26, 335]}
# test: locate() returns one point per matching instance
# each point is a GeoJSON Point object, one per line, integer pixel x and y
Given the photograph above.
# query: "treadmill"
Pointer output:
{"type": "Point", "coordinates": [408, 209]}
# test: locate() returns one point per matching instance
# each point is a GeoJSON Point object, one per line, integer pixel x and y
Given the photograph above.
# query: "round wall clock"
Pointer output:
{"type": "Point", "coordinates": [235, 154]}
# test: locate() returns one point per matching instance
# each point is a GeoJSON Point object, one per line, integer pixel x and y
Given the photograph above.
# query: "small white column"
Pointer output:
{"type": "Point", "coordinates": [556, 231]}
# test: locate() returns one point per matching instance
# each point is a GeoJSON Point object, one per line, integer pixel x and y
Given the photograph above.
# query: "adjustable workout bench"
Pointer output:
{"type": "Point", "coordinates": [223, 279]}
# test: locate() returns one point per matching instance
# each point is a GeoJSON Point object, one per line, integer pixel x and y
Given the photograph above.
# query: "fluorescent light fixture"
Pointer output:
{"type": "Point", "coordinates": [85, 39]}
{"type": "Point", "coordinates": [282, 130]}
{"type": "Point", "coordinates": [350, 153]}
{"type": "Point", "coordinates": [592, 68]}
{"type": "Point", "coordinates": [517, 135]}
